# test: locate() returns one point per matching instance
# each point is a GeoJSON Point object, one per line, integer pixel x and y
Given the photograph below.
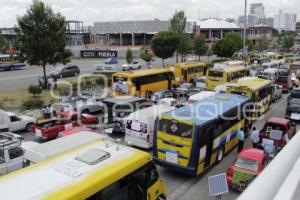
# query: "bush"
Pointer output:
{"type": "Point", "coordinates": [32, 103]}
{"type": "Point", "coordinates": [129, 56]}
{"type": "Point", "coordinates": [34, 90]}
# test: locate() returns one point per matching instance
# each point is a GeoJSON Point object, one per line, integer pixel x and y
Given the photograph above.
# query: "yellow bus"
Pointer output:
{"type": "Point", "coordinates": [138, 82]}
{"type": "Point", "coordinates": [98, 170]}
{"type": "Point", "coordinates": [192, 138]}
{"type": "Point", "coordinates": [295, 68]}
{"type": "Point", "coordinates": [220, 76]}
{"type": "Point", "coordinates": [185, 72]}
{"type": "Point", "coordinates": [260, 92]}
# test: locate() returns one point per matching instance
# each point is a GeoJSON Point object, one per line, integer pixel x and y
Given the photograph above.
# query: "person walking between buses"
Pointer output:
{"type": "Point", "coordinates": [241, 138]}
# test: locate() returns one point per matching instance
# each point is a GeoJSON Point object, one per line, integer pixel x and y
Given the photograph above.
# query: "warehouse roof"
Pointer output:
{"type": "Point", "coordinates": [213, 23]}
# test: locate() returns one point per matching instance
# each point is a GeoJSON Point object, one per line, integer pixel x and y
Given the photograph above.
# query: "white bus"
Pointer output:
{"type": "Point", "coordinates": [140, 125]}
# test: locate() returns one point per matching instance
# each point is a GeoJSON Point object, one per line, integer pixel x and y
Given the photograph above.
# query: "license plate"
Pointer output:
{"type": "Point", "coordinates": [295, 116]}
{"type": "Point", "coordinates": [38, 133]}
{"type": "Point", "coordinates": [172, 157]}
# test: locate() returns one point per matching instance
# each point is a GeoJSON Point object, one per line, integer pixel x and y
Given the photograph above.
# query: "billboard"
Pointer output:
{"type": "Point", "coordinates": [98, 54]}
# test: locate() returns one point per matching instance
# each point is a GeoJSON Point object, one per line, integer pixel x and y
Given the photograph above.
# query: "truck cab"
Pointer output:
{"type": "Point", "coordinates": [11, 155]}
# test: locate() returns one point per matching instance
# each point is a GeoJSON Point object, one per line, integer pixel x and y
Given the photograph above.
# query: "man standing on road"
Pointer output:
{"type": "Point", "coordinates": [254, 137]}
{"type": "Point", "coordinates": [241, 138]}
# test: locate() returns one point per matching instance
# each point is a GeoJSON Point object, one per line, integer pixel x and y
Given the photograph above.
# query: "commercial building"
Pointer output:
{"type": "Point", "coordinates": [285, 21]}
{"type": "Point", "coordinates": [298, 27]}
{"type": "Point", "coordinates": [129, 32]}
{"type": "Point", "coordinates": [10, 36]}
{"type": "Point", "coordinates": [215, 29]}
{"type": "Point", "coordinates": [257, 32]}
{"type": "Point", "coordinates": [257, 10]}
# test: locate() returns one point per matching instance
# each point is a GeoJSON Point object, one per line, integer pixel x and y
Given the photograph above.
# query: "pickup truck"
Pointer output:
{"type": "Point", "coordinates": [65, 120]}
{"type": "Point", "coordinates": [11, 122]}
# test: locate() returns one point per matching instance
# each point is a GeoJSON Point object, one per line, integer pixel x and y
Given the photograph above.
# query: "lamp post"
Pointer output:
{"type": "Point", "coordinates": [245, 29]}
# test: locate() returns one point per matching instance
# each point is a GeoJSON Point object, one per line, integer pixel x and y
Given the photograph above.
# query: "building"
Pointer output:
{"type": "Point", "coordinates": [257, 32]}
{"type": "Point", "coordinates": [298, 27]}
{"type": "Point", "coordinates": [285, 21]}
{"type": "Point", "coordinates": [269, 21]}
{"type": "Point", "coordinates": [129, 32]}
{"type": "Point", "coordinates": [10, 35]}
{"type": "Point", "coordinates": [215, 29]}
{"type": "Point", "coordinates": [77, 34]}
{"type": "Point", "coordinates": [257, 10]}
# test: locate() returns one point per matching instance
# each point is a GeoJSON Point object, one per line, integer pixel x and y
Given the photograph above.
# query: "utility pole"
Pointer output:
{"type": "Point", "coordinates": [245, 29]}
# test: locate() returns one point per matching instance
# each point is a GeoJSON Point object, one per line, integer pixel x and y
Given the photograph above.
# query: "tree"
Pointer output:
{"type": "Point", "coordinates": [164, 44]}
{"type": "Point", "coordinates": [199, 45]}
{"type": "Point", "coordinates": [42, 37]}
{"type": "Point", "coordinates": [146, 57]}
{"type": "Point", "coordinates": [262, 44]}
{"type": "Point", "coordinates": [185, 45]}
{"type": "Point", "coordinates": [224, 48]}
{"type": "Point", "coordinates": [129, 56]}
{"type": "Point", "coordinates": [250, 45]}
{"type": "Point", "coordinates": [288, 42]}
{"type": "Point", "coordinates": [237, 40]}
{"type": "Point", "coordinates": [178, 23]}
{"type": "Point", "coordinates": [2, 43]}
{"type": "Point", "coordinates": [34, 90]}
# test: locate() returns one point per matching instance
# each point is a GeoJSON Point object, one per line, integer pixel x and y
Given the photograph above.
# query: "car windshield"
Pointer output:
{"type": "Point", "coordinates": [282, 79]}
{"type": "Point", "coordinates": [295, 94]}
{"type": "Point", "coordinates": [59, 68]}
{"type": "Point", "coordinates": [246, 163]}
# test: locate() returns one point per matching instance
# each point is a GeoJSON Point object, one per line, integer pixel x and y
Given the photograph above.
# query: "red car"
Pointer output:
{"type": "Point", "coordinates": [275, 126]}
{"type": "Point", "coordinates": [249, 164]}
{"type": "Point", "coordinates": [65, 120]}
{"type": "Point", "coordinates": [285, 82]}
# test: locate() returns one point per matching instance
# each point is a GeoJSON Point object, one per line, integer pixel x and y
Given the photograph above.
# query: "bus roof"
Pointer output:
{"type": "Point", "coordinates": [137, 73]}
{"type": "Point", "coordinates": [74, 175]}
{"type": "Point", "coordinates": [207, 109]}
{"type": "Point", "coordinates": [48, 149]}
{"type": "Point", "coordinates": [190, 64]}
{"type": "Point", "coordinates": [230, 69]}
{"type": "Point", "coordinates": [252, 84]}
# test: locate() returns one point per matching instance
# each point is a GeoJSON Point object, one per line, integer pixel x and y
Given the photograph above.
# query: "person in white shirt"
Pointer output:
{"type": "Point", "coordinates": [254, 137]}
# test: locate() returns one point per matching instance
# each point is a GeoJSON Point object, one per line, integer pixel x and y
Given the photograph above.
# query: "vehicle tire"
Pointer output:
{"type": "Point", "coordinates": [29, 126]}
{"type": "Point", "coordinates": [85, 111]}
{"type": "Point", "coordinates": [11, 68]}
{"type": "Point", "coordinates": [61, 76]}
{"type": "Point", "coordinates": [220, 155]}
{"type": "Point", "coordinates": [130, 68]}
{"type": "Point", "coordinates": [140, 67]}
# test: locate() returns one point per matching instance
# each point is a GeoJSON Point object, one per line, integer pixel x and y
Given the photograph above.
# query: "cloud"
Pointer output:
{"type": "Point", "coordinates": [103, 10]}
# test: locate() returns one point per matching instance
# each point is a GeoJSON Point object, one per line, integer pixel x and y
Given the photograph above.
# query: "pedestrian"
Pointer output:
{"type": "Point", "coordinates": [254, 137]}
{"type": "Point", "coordinates": [44, 111]}
{"type": "Point", "coordinates": [241, 138]}
{"type": "Point", "coordinates": [50, 111]}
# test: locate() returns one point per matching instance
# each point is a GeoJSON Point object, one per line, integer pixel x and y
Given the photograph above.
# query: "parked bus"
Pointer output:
{"type": "Point", "coordinates": [140, 125]}
{"type": "Point", "coordinates": [260, 92]}
{"type": "Point", "coordinates": [185, 72]}
{"type": "Point", "coordinates": [295, 69]}
{"type": "Point", "coordinates": [10, 62]}
{"type": "Point", "coordinates": [192, 138]}
{"type": "Point", "coordinates": [221, 76]}
{"type": "Point", "coordinates": [138, 82]}
{"type": "Point", "coordinates": [100, 170]}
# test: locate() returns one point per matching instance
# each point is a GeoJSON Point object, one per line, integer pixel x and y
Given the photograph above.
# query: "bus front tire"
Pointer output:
{"type": "Point", "coordinates": [220, 155]}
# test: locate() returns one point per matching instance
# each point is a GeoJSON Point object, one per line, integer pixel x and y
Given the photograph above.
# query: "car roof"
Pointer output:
{"type": "Point", "coordinates": [277, 120]}
{"type": "Point", "coordinates": [252, 153]}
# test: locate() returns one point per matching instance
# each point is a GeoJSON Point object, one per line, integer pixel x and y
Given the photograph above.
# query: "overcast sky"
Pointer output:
{"type": "Point", "coordinates": [90, 11]}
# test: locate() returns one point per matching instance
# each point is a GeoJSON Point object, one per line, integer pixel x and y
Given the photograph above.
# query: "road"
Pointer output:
{"type": "Point", "coordinates": [182, 187]}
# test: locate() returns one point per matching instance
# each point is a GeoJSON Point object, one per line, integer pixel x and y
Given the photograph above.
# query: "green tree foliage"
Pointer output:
{"type": "Point", "coordinates": [178, 22]}
{"type": "Point", "coordinates": [262, 44]}
{"type": "Point", "coordinates": [2, 43]}
{"type": "Point", "coordinates": [199, 45]}
{"type": "Point", "coordinates": [129, 56]}
{"type": "Point", "coordinates": [224, 48]}
{"type": "Point", "coordinates": [164, 44]}
{"type": "Point", "coordinates": [185, 45]}
{"type": "Point", "coordinates": [250, 45]}
{"type": "Point", "coordinates": [288, 42]}
{"type": "Point", "coordinates": [237, 40]}
{"type": "Point", "coordinates": [146, 57]}
{"type": "Point", "coordinates": [34, 90]}
{"type": "Point", "coordinates": [42, 36]}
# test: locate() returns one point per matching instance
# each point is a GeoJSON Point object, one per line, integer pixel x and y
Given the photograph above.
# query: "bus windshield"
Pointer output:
{"type": "Point", "coordinates": [173, 127]}
{"type": "Point", "coordinates": [215, 74]}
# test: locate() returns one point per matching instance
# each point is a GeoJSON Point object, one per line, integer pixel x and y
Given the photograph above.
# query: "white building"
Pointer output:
{"type": "Point", "coordinates": [285, 21]}
{"type": "Point", "coordinates": [257, 10]}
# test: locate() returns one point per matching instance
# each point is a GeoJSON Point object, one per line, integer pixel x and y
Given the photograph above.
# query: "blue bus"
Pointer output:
{"type": "Point", "coordinates": [10, 62]}
{"type": "Point", "coordinates": [192, 138]}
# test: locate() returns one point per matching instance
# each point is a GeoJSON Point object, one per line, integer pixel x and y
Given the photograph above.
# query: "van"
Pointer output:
{"type": "Point", "coordinates": [140, 125]}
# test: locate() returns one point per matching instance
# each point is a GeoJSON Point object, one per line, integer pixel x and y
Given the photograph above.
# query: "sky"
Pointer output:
{"type": "Point", "coordinates": [90, 11]}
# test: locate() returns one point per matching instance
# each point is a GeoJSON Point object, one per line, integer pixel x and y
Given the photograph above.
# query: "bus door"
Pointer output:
{"type": "Point", "coordinates": [209, 145]}
{"type": "Point", "coordinates": [185, 75]}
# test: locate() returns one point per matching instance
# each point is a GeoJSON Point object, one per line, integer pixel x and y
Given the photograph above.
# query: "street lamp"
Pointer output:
{"type": "Point", "coordinates": [245, 29]}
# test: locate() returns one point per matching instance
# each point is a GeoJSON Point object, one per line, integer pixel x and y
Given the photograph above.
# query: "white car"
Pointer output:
{"type": "Point", "coordinates": [132, 66]}
{"type": "Point", "coordinates": [11, 122]}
